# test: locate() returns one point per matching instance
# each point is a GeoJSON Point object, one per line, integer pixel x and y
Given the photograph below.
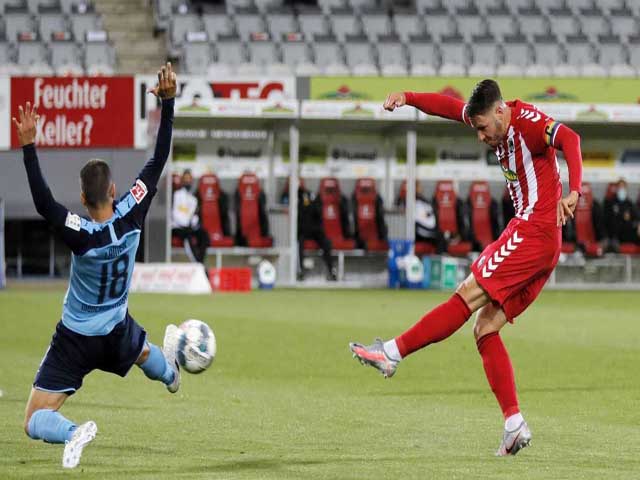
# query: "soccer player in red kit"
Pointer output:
{"type": "Point", "coordinates": [510, 273]}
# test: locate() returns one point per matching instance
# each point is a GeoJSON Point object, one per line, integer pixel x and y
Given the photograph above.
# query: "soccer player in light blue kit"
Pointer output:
{"type": "Point", "coordinates": [96, 330]}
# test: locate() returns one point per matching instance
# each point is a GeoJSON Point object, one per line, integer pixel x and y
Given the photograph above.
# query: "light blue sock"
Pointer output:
{"type": "Point", "coordinates": [50, 426]}
{"type": "Point", "coordinates": [156, 366]}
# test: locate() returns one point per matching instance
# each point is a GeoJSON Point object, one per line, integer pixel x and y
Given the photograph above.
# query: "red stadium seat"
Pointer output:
{"type": "Point", "coordinates": [446, 204]}
{"type": "Point", "coordinates": [330, 198]}
{"type": "Point", "coordinates": [211, 211]}
{"type": "Point", "coordinates": [176, 183]}
{"type": "Point", "coordinates": [585, 231]}
{"type": "Point", "coordinates": [251, 213]}
{"type": "Point", "coordinates": [480, 205]}
{"type": "Point", "coordinates": [369, 216]}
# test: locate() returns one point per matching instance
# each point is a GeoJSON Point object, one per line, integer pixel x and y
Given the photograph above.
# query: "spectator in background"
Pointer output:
{"type": "Point", "coordinates": [426, 221]}
{"type": "Point", "coordinates": [185, 222]}
{"type": "Point", "coordinates": [310, 228]}
{"type": "Point", "coordinates": [623, 221]}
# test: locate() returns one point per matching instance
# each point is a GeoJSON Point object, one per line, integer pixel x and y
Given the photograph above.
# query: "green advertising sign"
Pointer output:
{"type": "Point", "coordinates": [535, 90]}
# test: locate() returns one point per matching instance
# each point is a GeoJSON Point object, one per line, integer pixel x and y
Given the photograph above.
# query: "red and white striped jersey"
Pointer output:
{"type": "Point", "coordinates": [527, 154]}
{"type": "Point", "coordinates": [529, 164]}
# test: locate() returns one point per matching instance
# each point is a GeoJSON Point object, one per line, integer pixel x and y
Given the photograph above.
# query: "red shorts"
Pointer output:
{"type": "Point", "coordinates": [514, 268]}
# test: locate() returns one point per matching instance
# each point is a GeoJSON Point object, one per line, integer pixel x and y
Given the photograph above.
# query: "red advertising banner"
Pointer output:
{"type": "Point", "coordinates": [79, 112]}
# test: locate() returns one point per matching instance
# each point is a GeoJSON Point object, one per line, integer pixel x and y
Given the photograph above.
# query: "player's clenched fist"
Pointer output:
{"type": "Point", "coordinates": [394, 100]}
{"type": "Point", "coordinates": [26, 127]}
{"type": "Point", "coordinates": [167, 83]}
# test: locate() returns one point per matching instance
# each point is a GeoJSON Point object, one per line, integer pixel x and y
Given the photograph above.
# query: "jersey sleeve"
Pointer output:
{"type": "Point", "coordinates": [547, 132]}
{"type": "Point", "coordinates": [136, 202]}
{"type": "Point", "coordinates": [67, 225]}
{"type": "Point", "coordinates": [439, 105]}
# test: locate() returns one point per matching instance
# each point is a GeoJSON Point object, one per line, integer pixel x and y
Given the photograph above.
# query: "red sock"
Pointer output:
{"type": "Point", "coordinates": [435, 326]}
{"type": "Point", "coordinates": [497, 366]}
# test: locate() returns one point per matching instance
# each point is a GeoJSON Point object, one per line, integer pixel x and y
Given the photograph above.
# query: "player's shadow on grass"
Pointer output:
{"type": "Point", "coordinates": [250, 464]}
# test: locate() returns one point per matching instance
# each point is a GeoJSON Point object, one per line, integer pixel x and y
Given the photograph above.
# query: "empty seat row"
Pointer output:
{"type": "Point", "coordinates": [454, 56]}
{"type": "Point", "coordinates": [47, 24]}
{"type": "Point", "coordinates": [59, 57]}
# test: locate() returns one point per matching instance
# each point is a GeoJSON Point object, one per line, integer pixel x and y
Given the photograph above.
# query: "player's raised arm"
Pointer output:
{"type": "Point", "coordinates": [166, 91]}
{"type": "Point", "coordinates": [562, 137]}
{"type": "Point", "coordinates": [53, 212]}
{"type": "Point", "coordinates": [430, 103]}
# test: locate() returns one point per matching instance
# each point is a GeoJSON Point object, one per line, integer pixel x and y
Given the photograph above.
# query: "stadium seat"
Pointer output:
{"type": "Point", "coordinates": [563, 22]}
{"type": "Point", "coordinates": [31, 52]}
{"type": "Point", "coordinates": [532, 23]}
{"type": "Point", "coordinates": [449, 213]}
{"type": "Point", "coordinates": [501, 23]}
{"type": "Point", "coordinates": [344, 22]}
{"type": "Point", "coordinates": [183, 23]}
{"type": "Point", "coordinates": [483, 210]}
{"type": "Point", "coordinates": [327, 52]}
{"type": "Point", "coordinates": [424, 56]}
{"type": "Point", "coordinates": [547, 51]}
{"type": "Point", "coordinates": [407, 22]}
{"type": "Point", "coordinates": [197, 57]}
{"type": "Point", "coordinates": [216, 22]}
{"type": "Point", "coordinates": [439, 24]}
{"type": "Point", "coordinates": [517, 52]}
{"type": "Point", "coordinates": [391, 55]}
{"type": "Point", "coordinates": [262, 52]}
{"type": "Point", "coordinates": [376, 22]}
{"type": "Point", "coordinates": [50, 21]}
{"type": "Point", "coordinates": [64, 53]}
{"type": "Point", "coordinates": [17, 21]}
{"type": "Point", "coordinates": [626, 23]}
{"type": "Point", "coordinates": [369, 223]}
{"type": "Point", "coordinates": [612, 52]}
{"type": "Point", "coordinates": [469, 22]}
{"type": "Point", "coordinates": [214, 211]}
{"type": "Point", "coordinates": [252, 223]}
{"type": "Point", "coordinates": [485, 53]}
{"type": "Point", "coordinates": [248, 22]}
{"type": "Point", "coordinates": [592, 22]}
{"type": "Point", "coordinates": [294, 50]}
{"type": "Point", "coordinates": [230, 50]}
{"type": "Point", "coordinates": [81, 23]}
{"type": "Point", "coordinates": [335, 214]}
{"type": "Point", "coordinates": [358, 52]}
{"type": "Point", "coordinates": [579, 50]}
{"type": "Point", "coordinates": [585, 229]}
{"type": "Point", "coordinates": [312, 21]}
{"type": "Point", "coordinates": [455, 55]}
{"type": "Point", "coordinates": [280, 21]}
{"type": "Point", "coordinates": [634, 51]}
{"type": "Point", "coordinates": [99, 53]}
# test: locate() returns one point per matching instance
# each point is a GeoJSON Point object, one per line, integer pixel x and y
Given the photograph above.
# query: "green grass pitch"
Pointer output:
{"type": "Point", "coordinates": [284, 399]}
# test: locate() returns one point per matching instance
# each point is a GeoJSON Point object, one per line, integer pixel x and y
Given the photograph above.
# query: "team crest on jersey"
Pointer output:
{"type": "Point", "coordinates": [73, 221]}
{"type": "Point", "coordinates": [510, 175]}
{"type": "Point", "coordinates": [139, 191]}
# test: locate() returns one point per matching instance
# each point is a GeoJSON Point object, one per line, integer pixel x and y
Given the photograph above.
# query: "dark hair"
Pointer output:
{"type": "Point", "coordinates": [95, 180]}
{"type": "Point", "coordinates": [484, 95]}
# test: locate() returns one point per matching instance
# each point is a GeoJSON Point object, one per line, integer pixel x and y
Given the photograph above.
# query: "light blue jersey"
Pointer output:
{"type": "Point", "coordinates": [103, 254]}
{"type": "Point", "coordinates": [97, 298]}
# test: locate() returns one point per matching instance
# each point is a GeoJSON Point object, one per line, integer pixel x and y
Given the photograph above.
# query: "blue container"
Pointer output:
{"type": "Point", "coordinates": [397, 248]}
{"type": "Point", "coordinates": [426, 280]}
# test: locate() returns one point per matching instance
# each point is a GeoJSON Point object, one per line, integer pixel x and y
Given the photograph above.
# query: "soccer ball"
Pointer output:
{"type": "Point", "coordinates": [196, 346]}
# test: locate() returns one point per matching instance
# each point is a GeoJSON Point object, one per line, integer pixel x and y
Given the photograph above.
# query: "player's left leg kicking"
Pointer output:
{"type": "Point", "coordinates": [69, 358]}
{"type": "Point", "coordinates": [505, 280]}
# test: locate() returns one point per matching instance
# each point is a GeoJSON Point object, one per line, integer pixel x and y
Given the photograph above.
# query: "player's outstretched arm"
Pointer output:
{"type": "Point", "coordinates": [430, 103]}
{"type": "Point", "coordinates": [42, 197]}
{"type": "Point", "coordinates": [166, 91]}
{"type": "Point", "coordinates": [569, 142]}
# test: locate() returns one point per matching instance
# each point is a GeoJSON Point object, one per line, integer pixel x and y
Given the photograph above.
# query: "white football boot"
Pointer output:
{"type": "Point", "coordinates": [514, 441]}
{"type": "Point", "coordinates": [170, 351]}
{"type": "Point", "coordinates": [83, 435]}
{"type": "Point", "coordinates": [375, 356]}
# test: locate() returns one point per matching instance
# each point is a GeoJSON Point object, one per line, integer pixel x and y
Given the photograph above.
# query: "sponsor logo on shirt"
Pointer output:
{"type": "Point", "coordinates": [510, 175]}
{"type": "Point", "coordinates": [73, 221]}
{"type": "Point", "coordinates": [139, 191]}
